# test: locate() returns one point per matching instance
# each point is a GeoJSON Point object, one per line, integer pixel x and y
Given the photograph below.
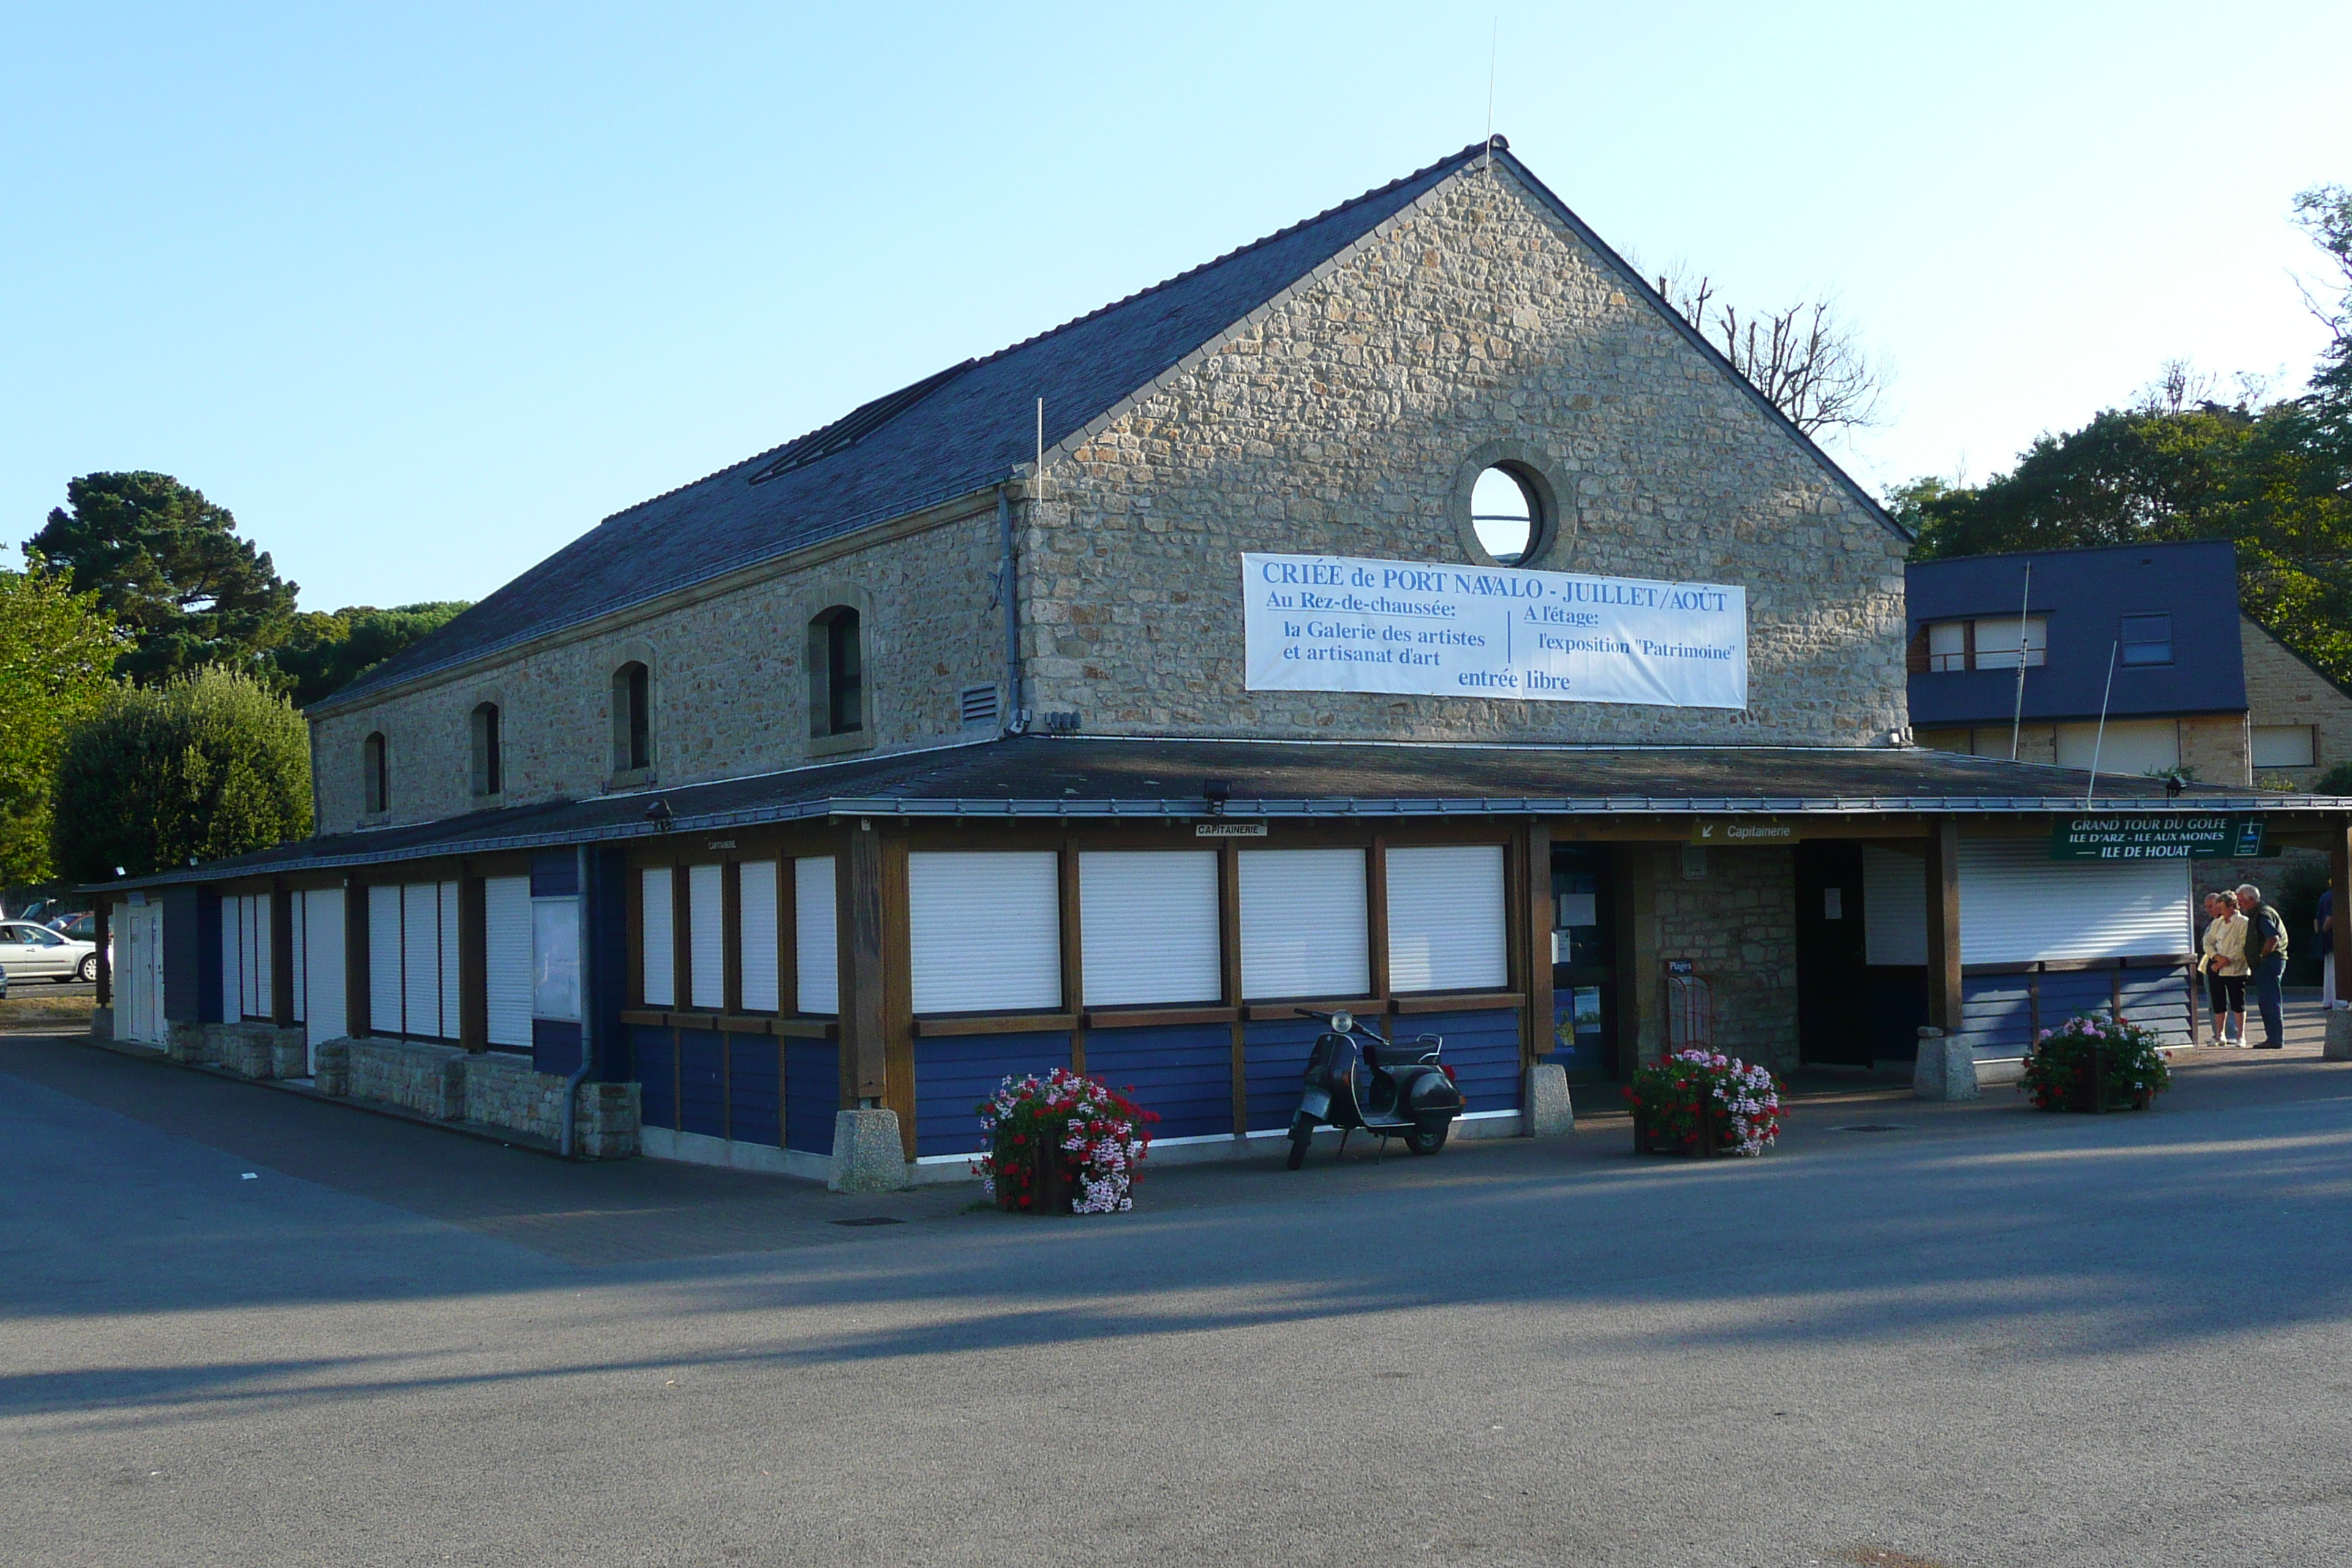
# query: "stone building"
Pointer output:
{"type": "Point", "coordinates": [1407, 611]}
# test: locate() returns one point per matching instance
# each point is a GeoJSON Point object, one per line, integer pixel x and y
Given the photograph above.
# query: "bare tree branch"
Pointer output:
{"type": "Point", "coordinates": [1803, 359]}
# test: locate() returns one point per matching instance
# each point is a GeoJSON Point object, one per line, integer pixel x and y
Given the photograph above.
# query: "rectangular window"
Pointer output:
{"type": "Point", "coordinates": [1148, 927]}
{"type": "Point", "coordinates": [755, 903]}
{"type": "Point", "coordinates": [984, 931]}
{"type": "Point", "coordinates": [384, 947]}
{"type": "Point", "coordinates": [1445, 919]}
{"type": "Point", "coordinates": [660, 953]}
{"type": "Point", "coordinates": [816, 954]}
{"type": "Point", "coordinates": [555, 958]}
{"type": "Point", "coordinates": [2284, 746]}
{"type": "Point", "coordinates": [506, 959]}
{"type": "Point", "coordinates": [2146, 640]}
{"type": "Point", "coordinates": [1303, 923]}
{"type": "Point", "coordinates": [706, 936]}
{"type": "Point", "coordinates": [1947, 645]}
{"type": "Point", "coordinates": [1996, 642]}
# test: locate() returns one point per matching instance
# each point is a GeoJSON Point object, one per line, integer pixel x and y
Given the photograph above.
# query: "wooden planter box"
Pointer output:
{"type": "Point", "coordinates": [1049, 1180]}
{"type": "Point", "coordinates": [2091, 1094]}
{"type": "Point", "coordinates": [1706, 1145]}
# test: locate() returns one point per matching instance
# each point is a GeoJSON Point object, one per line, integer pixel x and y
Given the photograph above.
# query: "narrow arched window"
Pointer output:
{"type": "Point", "coordinates": [837, 665]}
{"type": "Point", "coordinates": [633, 718]}
{"type": "Point", "coordinates": [377, 780]}
{"type": "Point", "coordinates": [489, 760]}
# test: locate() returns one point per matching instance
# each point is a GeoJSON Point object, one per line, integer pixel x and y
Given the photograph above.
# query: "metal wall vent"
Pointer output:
{"type": "Point", "coordinates": [977, 707]}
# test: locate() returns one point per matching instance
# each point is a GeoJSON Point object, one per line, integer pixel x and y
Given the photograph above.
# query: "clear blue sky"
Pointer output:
{"type": "Point", "coordinates": [423, 291]}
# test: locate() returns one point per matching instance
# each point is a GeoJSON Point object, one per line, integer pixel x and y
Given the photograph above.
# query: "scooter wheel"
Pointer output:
{"type": "Point", "coordinates": [1426, 1140]}
{"type": "Point", "coordinates": [1302, 1133]}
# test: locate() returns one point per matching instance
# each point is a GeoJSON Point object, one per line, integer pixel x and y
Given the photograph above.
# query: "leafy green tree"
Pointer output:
{"type": "Point", "coordinates": [58, 651]}
{"type": "Point", "coordinates": [326, 653]}
{"type": "Point", "coordinates": [168, 564]}
{"type": "Point", "coordinates": [208, 764]}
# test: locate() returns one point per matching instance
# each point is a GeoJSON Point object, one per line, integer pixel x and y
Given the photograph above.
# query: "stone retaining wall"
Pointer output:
{"type": "Point", "coordinates": [428, 1079]}
{"type": "Point", "coordinates": [491, 1089]}
{"type": "Point", "coordinates": [262, 1050]}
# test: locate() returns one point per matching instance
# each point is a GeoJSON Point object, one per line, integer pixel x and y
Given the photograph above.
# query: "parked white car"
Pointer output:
{"type": "Point", "coordinates": [29, 952]}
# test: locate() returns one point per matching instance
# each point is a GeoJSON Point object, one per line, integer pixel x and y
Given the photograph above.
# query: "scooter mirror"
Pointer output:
{"type": "Point", "coordinates": [1343, 1021]}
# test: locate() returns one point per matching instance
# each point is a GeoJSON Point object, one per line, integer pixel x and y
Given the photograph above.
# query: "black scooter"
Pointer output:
{"type": "Point", "coordinates": [1402, 1091]}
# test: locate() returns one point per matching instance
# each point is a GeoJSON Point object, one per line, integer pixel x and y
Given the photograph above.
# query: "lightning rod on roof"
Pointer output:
{"type": "Point", "coordinates": [1041, 450]}
{"type": "Point", "coordinates": [1493, 48]}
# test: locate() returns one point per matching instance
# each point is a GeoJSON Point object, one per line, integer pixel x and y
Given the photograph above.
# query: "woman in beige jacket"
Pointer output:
{"type": "Point", "coordinates": [2224, 963]}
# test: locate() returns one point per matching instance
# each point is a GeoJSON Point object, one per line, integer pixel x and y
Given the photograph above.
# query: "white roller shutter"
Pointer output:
{"type": "Point", "coordinates": [755, 908]}
{"type": "Point", "coordinates": [1304, 929]}
{"type": "Point", "coordinates": [385, 949]}
{"type": "Point", "coordinates": [2017, 904]}
{"type": "Point", "coordinates": [816, 951]}
{"type": "Point", "coordinates": [232, 959]}
{"type": "Point", "coordinates": [2128, 746]}
{"type": "Point", "coordinates": [706, 936]}
{"type": "Point", "coordinates": [1893, 906]}
{"type": "Point", "coordinates": [450, 991]}
{"type": "Point", "coordinates": [506, 959]}
{"type": "Point", "coordinates": [1148, 927]}
{"type": "Point", "coordinates": [420, 958]}
{"type": "Point", "coordinates": [660, 954]}
{"type": "Point", "coordinates": [300, 933]}
{"type": "Point", "coordinates": [1445, 919]}
{"type": "Point", "coordinates": [984, 930]}
{"type": "Point", "coordinates": [322, 964]}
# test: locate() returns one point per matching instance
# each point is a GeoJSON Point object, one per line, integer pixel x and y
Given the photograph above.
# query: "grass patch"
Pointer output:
{"type": "Point", "coordinates": [24, 1004]}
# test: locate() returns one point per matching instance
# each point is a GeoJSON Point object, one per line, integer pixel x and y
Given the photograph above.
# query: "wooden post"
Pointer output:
{"type": "Point", "coordinates": [1229, 956]}
{"type": "Point", "coordinates": [105, 967]}
{"type": "Point", "coordinates": [1376, 910]}
{"type": "Point", "coordinates": [730, 950]}
{"type": "Point", "coordinates": [356, 1019]}
{"type": "Point", "coordinates": [1074, 988]}
{"type": "Point", "coordinates": [1944, 924]}
{"type": "Point", "coordinates": [858, 893]}
{"type": "Point", "coordinates": [2339, 878]}
{"type": "Point", "coordinates": [281, 956]}
{"type": "Point", "coordinates": [1535, 911]}
{"type": "Point", "coordinates": [473, 961]}
{"type": "Point", "coordinates": [681, 938]}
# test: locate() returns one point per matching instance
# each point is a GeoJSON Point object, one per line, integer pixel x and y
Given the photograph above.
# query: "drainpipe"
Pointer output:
{"type": "Point", "coordinates": [587, 1011]}
{"type": "Point", "coordinates": [1015, 720]}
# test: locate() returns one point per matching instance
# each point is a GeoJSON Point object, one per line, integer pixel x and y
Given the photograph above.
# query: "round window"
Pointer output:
{"type": "Point", "coordinates": [1506, 515]}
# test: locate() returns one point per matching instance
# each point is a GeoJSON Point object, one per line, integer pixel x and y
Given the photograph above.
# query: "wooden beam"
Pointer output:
{"type": "Point", "coordinates": [2339, 878]}
{"type": "Point", "coordinates": [1944, 925]}
{"type": "Point", "coordinates": [1376, 913]}
{"type": "Point", "coordinates": [858, 902]}
{"type": "Point", "coordinates": [281, 957]}
{"type": "Point", "coordinates": [1532, 971]}
{"type": "Point", "coordinates": [473, 962]}
{"type": "Point", "coordinates": [897, 984]}
{"type": "Point", "coordinates": [730, 947]}
{"type": "Point", "coordinates": [356, 1021]}
{"type": "Point", "coordinates": [1073, 962]}
{"type": "Point", "coordinates": [1228, 960]}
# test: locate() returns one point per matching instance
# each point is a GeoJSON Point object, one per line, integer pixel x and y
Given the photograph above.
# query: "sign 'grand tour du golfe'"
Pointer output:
{"type": "Point", "coordinates": [1337, 623]}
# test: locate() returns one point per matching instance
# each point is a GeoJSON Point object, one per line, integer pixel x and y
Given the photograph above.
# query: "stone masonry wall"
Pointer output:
{"type": "Point", "coordinates": [428, 1079]}
{"type": "Point", "coordinates": [2213, 748]}
{"type": "Point", "coordinates": [2283, 690]}
{"type": "Point", "coordinates": [1738, 925]}
{"type": "Point", "coordinates": [1344, 418]}
{"type": "Point", "coordinates": [729, 679]}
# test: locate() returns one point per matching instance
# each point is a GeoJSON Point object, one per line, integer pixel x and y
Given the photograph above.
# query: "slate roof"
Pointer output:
{"type": "Point", "coordinates": [2084, 592]}
{"type": "Point", "coordinates": [1036, 777]}
{"type": "Point", "coordinates": [949, 435]}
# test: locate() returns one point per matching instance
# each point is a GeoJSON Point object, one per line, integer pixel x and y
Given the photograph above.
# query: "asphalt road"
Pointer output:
{"type": "Point", "coordinates": [1981, 1336]}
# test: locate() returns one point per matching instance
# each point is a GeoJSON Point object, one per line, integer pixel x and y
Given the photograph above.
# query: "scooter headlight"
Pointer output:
{"type": "Point", "coordinates": [1343, 1020]}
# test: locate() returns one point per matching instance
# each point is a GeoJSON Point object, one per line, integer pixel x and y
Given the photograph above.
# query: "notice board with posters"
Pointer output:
{"type": "Point", "coordinates": [2172, 835]}
{"type": "Point", "coordinates": [1338, 623]}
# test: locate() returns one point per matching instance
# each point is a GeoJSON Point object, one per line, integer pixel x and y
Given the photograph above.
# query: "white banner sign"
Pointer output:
{"type": "Point", "coordinates": [1334, 623]}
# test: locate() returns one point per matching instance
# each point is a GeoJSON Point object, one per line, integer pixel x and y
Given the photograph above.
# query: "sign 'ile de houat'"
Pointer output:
{"type": "Point", "coordinates": [1336, 623]}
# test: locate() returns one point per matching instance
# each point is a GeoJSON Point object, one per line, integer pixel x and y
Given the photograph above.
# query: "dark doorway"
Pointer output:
{"type": "Point", "coordinates": [1583, 972]}
{"type": "Point", "coordinates": [1833, 990]}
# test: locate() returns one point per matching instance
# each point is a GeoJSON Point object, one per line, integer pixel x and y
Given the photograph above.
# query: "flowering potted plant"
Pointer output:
{"type": "Point", "coordinates": [2095, 1062]}
{"type": "Point", "coordinates": [1702, 1102]}
{"type": "Point", "coordinates": [1063, 1144]}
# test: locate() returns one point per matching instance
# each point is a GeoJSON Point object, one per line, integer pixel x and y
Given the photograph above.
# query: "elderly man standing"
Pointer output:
{"type": "Point", "coordinates": [2266, 956]}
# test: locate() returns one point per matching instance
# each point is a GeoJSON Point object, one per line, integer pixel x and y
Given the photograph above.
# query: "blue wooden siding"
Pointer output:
{"type": "Point", "coordinates": [2158, 999]}
{"type": "Point", "coordinates": [753, 1106]}
{"type": "Point", "coordinates": [554, 876]}
{"type": "Point", "coordinates": [657, 1103]}
{"type": "Point", "coordinates": [554, 1045]}
{"type": "Point", "coordinates": [954, 1074]}
{"type": "Point", "coordinates": [812, 1094]}
{"type": "Point", "coordinates": [1996, 1011]}
{"type": "Point", "coordinates": [1483, 1049]}
{"type": "Point", "coordinates": [701, 1082]}
{"type": "Point", "coordinates": [1183, 1073]}
{"type": "Point", "coordinates": [1274, 1063]}
{"type": "Point", "coordinates": [192, 985]}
